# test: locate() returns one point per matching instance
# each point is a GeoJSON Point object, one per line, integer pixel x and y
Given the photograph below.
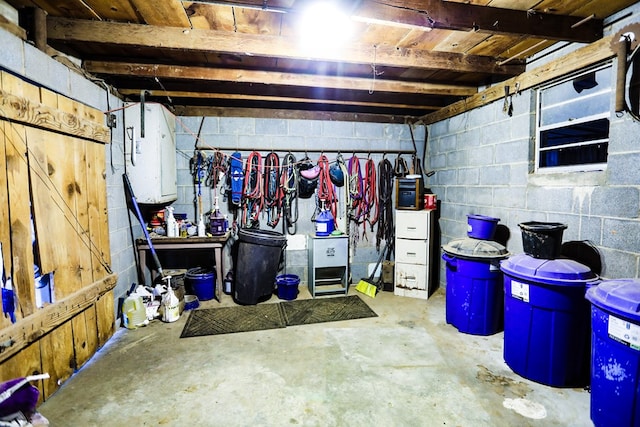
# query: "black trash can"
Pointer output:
{"type": "Point", "coordinates": [256, 264]}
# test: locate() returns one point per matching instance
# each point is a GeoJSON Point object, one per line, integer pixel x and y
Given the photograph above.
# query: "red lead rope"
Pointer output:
{"type": "Point", "coordinates": [370, 194]}
{"type": "Point", "coordinates": [273, 192]}
{"type": "Point", "coordinates": [326, 192]}
{"type": "Point", "coordinates": [253, 197]}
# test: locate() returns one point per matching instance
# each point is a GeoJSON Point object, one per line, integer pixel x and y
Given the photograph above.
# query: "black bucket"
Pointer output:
{"type": "Point", "coordinates": [542, 239]}
{"type": "Point", "coordinates": [256, 264]}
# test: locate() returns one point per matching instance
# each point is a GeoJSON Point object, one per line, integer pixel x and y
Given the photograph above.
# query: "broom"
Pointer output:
{"type": "Point", "coordinates": [366, 285]}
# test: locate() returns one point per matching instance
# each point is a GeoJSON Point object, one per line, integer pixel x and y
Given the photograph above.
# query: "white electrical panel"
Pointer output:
{"type": "Point", "coordinates": [150, 148]}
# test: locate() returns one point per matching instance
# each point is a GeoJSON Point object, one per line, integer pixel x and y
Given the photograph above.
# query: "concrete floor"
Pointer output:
{"type": "Point", "coordinates": [406, 367]}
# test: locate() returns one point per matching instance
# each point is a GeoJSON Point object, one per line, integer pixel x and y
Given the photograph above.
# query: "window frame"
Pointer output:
{"type": "Point", "coordinates": [539, 129]}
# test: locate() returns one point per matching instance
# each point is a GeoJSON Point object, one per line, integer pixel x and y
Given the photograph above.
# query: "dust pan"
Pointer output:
{"type": "Point", "coordinates": [367, 288]}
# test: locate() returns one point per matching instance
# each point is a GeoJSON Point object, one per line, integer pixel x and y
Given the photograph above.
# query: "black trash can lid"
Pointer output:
{"type": "Point", "coordinates": [475, 249]}
{"type": "Point", "coordinates": [262, 237]}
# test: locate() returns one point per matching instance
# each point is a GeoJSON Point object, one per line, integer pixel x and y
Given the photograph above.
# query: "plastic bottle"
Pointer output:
{"type": "Point", "coordinates": [217, 222]}
{"type": "Point", "coordinates": [171, 223]}
{"type": "Point", "coordinates": [134, 313]}
{"type": "Point", "coordinates": [170, 303]}
{"type": "Point", "coordinates": [201, 228]}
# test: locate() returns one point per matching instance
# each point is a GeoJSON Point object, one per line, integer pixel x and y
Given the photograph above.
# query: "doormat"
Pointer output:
{"type": "Point", "coordinates": [308, 311]}
{"type": "Point", "coordinates": [228, 320]}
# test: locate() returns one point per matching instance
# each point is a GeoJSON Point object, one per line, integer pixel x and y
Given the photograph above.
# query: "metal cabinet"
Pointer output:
{"type": "Point", "coordinates": [413, 252]}
{"type": "Point", "coordinates": [151, 154]}
{"type": "Point", "coordinates": [328, 265]}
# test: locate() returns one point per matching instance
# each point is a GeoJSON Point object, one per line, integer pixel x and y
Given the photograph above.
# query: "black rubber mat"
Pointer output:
{"type": "Point", "coordinates": [307, 311]}
{"type": "Point", "coordinates": [228, 320]}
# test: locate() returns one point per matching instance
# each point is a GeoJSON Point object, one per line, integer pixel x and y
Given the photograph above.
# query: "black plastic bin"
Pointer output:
{"type": "Point", "coordinates": [542, 239]}
{"type": "Point", "coordinates": [256, 264]}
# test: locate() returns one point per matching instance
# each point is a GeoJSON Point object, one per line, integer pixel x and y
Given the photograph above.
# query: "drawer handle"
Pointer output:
{"type": "Point", "coordinates": [411, 254]}
{"type": "Point", "coordinates": [412, 228]}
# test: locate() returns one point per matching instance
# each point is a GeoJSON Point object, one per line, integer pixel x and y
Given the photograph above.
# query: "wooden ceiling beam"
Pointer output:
{"type": "Point", "coordinates": [265, 113]}
{"type": "Point", "coordinates": [196, 40]}
{"type": "Point", "coordinates": [166, 12]}
{"type": "Point", "coordinates": [244, 97]}
{"type": "Point", "coordinates": [438, 14]}
{"type": "Point", "coordinates": [579, 59]}
{"type": "Point", "coordinates": [272, 78]}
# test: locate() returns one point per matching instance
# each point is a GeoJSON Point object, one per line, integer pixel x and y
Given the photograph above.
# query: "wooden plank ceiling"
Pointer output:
{"type": "Point", "coordinates": [404, 59]}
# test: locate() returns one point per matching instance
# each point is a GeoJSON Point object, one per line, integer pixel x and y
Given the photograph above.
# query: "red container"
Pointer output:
{"type": "Point", "coordinates": [430, 201]}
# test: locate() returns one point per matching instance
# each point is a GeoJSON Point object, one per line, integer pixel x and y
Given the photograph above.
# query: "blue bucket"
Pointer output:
{"type": "Point", "coordinates": [481, 227]}
{"type": "Point", "coordinates": [287, 285]}
{"type": "Point", "coordinates": [202, 283]}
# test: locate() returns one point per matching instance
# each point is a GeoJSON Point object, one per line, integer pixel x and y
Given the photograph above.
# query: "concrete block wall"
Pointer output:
{"type": "Point", "coordinates": [301, 137]}
{"type": "Point", "coordinates": [483, 161]}
{"type": "Point", "coordinates": [24, 60]}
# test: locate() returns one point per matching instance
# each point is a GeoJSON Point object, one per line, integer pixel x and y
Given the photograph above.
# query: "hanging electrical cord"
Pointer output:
{"type": "Point", "coordinates": [289, 185]}
{"type": "Point", "coordinates": [273, 192]}
{"type": "Point", "coordinates": [385, 229]}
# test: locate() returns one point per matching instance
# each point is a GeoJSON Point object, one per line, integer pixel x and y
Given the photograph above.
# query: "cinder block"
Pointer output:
{"type": "Point", "coordinates": [494, 175]}
{"type": "Point", "coordinates": [304, 127]}
{"type": "Point", "coordinates": [469, 176]}
{"type": "Point", "coordinates": [512, 151]}
{"type": "Point", "coordinates": [509, 197]}
{"type": "Point", "coordinates": [619, 263]}
{"type": "Point", "coordinates": [621, 202]}
{"type": "Point", "coordinates": [550, 199]}
{"type": "Point", "coordinates": [457, 159]}
{"type": "Point", "coordinates": [339, 129]}
{"type": "Point", "coordinates": [622, 169]}
{"type": "Point", "coordinates": [238, 126]}
{"type": "Point", "coordinates": [621, 235]}
{"type": "Point", "coordinates": [481, 156]}
{"type": "Point", "coordinates": [271, 127]}
{"type": "Point", "coordinates": [369, 130]}
{"type": "Point", "coordinates": [46, 71]}
{"type": "Point", "coordinates": [12, 53]}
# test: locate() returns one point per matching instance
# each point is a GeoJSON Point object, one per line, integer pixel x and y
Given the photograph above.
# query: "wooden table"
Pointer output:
{"type": "Point", "coordinates": [177, 243]}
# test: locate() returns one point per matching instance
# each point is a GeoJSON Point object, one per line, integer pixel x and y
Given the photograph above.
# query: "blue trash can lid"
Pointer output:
{"type": "Point", "coordinates": [475, 249]}
{"type": "Point", "coordinates": [559, 271]}
{"type": "Point", "coordinates": [621, 296]}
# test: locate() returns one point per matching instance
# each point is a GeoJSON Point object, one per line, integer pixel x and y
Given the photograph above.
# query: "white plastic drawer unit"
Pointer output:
{"type": "Point", "coordinates": [411, 251]}
{"type": "Point", "coordinates": [412, 224]}
{"type": "Point", "coordinates": [410, 277]}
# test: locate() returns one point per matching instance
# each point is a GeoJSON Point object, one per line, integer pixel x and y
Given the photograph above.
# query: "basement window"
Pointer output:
{"type": "Point", "coordinates": [572, 126]}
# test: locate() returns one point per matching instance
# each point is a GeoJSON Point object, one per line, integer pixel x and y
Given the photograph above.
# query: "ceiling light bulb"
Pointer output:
{"type": "Point", "coordinates": [324, 26]}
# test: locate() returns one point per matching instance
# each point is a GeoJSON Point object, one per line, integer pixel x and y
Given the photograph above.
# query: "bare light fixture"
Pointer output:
{"type": "Point", "coordinates": [323, 26]}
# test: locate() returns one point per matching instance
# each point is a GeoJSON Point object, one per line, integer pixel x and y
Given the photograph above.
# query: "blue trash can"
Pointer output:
{"type": "Point", "coordinates": [474, 293]}
{"type": "Point", "coordinates": [546, 319]}
{"type": "Point", "coordinates": [615, 353]}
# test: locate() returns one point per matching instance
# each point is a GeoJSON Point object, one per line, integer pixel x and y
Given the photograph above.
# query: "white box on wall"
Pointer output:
{"type": "Point", "coordinates": [151, 156]}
